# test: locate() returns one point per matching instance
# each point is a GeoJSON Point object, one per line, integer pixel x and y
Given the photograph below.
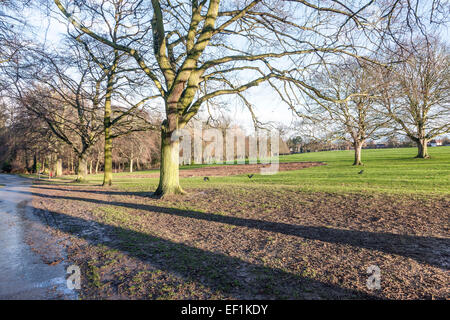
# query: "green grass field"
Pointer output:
{"type": "Point", "coordinates": [393, 171]}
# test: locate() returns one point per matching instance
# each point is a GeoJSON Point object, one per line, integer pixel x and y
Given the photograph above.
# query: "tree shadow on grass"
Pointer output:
{"type": "Point", "coordinates": [217, 271]}
{"type": "Point", "coordinates": [429, 250]}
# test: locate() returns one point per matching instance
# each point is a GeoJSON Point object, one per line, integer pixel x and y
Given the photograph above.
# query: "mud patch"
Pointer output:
{"type": "Point", "coordinates": [250, 243]}
{"type": "Point", "coordinates": [22, 204]}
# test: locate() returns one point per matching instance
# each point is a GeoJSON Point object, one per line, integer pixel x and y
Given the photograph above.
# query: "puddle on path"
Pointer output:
{"type": "Point", "coordinates": [23, 273]}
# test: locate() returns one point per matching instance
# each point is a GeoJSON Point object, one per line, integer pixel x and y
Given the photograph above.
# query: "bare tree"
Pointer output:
{"type": "Point", "coordinates": [61, 91]}
{"type": "Point", "coordinates": [23, 137]}
{"type": "Point", "coordinates": [416, 93]}
{"type": "Point", "coordinates": [122, 87]}
{"type": "Point", "coordinates": [351, 115]}
{"type": "Point", "coordinates": [11, 29]}
{"type": "Point", "coordinates": [137, 148]}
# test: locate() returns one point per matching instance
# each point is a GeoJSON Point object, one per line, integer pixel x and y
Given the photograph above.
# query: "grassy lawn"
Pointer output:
{"type": "Point", "coordinates": [392, 171]}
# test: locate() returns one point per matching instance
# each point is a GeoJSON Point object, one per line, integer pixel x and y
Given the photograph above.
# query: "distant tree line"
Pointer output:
{"type": "Point", "coordinates": [298, 145]}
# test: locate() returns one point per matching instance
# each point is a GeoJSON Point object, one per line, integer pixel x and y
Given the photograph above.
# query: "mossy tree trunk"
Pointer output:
{"type": "Point", "coordinates": [169, 182]}
{"type": "Point", "coordinates": [107, 174]}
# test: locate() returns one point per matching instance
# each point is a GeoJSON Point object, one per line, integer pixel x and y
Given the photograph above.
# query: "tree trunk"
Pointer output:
{"type": "Point", "coordinates": [81, 169]}
{"type": "Point", "coordinates": [422, 147]}
{"type": "Point", "coordinates": [90, 166]}
{"type": "Point", "coordinates": [107, 123]}
{"type": "Point", "coordinates": [35, 163]}
{"type": "Point", "coordinates": [358, 147]}
{"type": "Point", "coordinates": [58, 167]}
{"type": "Point", "coordinates": [138, 164]}
{"type": "Point", "coordinates": [169, 182]}
{"type": "Point", "coordinates": [27, 162]}
{"type": "Point", "coordinates": [107, 175]}
{"type": "Point", "coordinates": [131, 165]}
{"type": "Point", "coordinates": [51, 166]}
{"type": "Point", "coordinates": [97, 163]}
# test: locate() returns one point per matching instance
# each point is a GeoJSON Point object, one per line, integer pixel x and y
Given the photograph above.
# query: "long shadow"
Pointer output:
{"type": "Point", "coordinates": [108, 192]}
{"type": "Point", "coordinates": [217, 271]}
{"type": "Point", "coordinates": [430, 250]}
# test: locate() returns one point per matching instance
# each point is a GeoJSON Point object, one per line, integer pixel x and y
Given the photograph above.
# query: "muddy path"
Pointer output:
{"type": "Point", "coordinates": [31, 266]}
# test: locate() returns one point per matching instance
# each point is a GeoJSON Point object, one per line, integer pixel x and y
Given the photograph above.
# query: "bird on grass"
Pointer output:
{"type": "Point", "coordinates": [205, 179]}
{"type": "Point", "coordinates": [250, 176]}
{"type": "Point", "coordinates": [361, 172]}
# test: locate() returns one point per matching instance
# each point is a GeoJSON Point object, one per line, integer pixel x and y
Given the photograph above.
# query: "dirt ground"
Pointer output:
{"type": "Point", "coordinates": [231, 170]}
{"type": "Point", "coordinates": [249, 243]}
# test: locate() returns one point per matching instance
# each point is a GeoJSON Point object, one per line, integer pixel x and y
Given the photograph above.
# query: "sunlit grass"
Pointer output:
{"type": "Point", "coordinates": [393, 171]}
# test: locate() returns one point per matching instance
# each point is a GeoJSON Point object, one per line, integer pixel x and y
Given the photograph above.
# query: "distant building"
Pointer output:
{"type": "Point", "coordinates": [435, 143]}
